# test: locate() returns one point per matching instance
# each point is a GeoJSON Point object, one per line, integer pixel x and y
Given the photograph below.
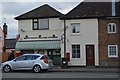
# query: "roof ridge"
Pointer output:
{"type": "Point", "coordinates": [30, 15]}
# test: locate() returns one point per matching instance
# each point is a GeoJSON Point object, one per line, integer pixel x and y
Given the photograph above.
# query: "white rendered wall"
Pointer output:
{"type": "Point", "coordinates": [88, 35]}
{"type": "Point", "coordinates": [26, 25]}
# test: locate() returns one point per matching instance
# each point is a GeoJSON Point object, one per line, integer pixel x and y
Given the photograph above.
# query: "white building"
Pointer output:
{"type": "Point", "coordinates": [42, 30]}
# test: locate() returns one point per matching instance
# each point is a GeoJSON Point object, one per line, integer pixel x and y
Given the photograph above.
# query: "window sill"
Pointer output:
{"type": "Point", "coordinates": [111, 32]}
{"type": "Point", "coordinates": [75, 34]}
{"type": "Point", "coordinates": [112, 57]}
{"type": "Point", "coordinates": [42, 29]}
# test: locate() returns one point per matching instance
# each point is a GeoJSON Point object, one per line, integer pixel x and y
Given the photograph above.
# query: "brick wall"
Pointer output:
{"type": "Point", "coordinates": [106, 39]}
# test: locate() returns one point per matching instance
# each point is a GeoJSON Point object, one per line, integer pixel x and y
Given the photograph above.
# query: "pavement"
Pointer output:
{"type": "Point", "coordinates": [85, 69]}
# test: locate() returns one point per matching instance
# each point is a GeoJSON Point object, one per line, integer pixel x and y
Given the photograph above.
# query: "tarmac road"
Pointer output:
{"type": "Point", "coordinates": [28, 74]}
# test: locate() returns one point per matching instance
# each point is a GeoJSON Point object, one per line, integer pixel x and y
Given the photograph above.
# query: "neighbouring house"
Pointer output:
{"type": "Point", "coordinates": [9, 47]}
{"type": "Point", "coordinates": [10, 44]}
{"type": "Point", "coordinates": [40, 32]}
{"type": "Point", "coordinates": [1, 40]}
{"type": "Point", "coordinates": [92, 33]}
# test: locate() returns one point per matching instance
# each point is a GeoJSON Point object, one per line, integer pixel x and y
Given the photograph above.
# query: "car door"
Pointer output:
{"type": "Point", "coordinates": [28, 62]}
{"type": "Point", "coordinates": [18, 62]}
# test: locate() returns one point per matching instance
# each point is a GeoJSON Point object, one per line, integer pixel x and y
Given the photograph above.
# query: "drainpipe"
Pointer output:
{"type": "Point", "coordinates": [64, 60]}
{"type": "Point", "coordinates": [64, 38]}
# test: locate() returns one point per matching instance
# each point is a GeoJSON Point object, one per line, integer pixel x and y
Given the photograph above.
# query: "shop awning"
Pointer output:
{"type": "Point", "coordinates": [38, 44]}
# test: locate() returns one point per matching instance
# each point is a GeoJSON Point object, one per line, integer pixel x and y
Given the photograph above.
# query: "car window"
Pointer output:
{"type": "Point", "coordinates": [35, 57]}
{"type": "Point", "coordinates": [21, 58]}
{"type": "Point", "coordinates": [29, 57]}
{"type": "Point", "coordinates": [44, 57]}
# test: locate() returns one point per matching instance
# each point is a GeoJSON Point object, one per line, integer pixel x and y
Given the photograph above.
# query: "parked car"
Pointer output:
{"type": "Point", "coordinates": [35, 62]}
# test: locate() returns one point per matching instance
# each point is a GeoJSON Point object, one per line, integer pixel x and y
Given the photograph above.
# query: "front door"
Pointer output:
{"type": "Point", "coordinates": [90, 61]}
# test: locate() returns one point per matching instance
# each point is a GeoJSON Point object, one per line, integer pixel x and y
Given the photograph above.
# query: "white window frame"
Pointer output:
{"type": "Point", "coordinates": [72, 53]}
{"type": "Point", "coordinates": [111, 28]}
{"type": "Point", "coordinates": [72, 28]}
{"type": "Point", "coordinates": [112, 56]}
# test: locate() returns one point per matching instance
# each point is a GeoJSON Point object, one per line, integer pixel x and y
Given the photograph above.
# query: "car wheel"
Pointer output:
{"type": "Point", "coordinates": [6, 68]}
{"type": "Point", "coordinates": [36, 69]}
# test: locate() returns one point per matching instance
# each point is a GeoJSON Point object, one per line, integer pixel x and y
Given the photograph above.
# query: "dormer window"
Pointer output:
{"type": "Point", "coordinates": [40, 24]}
{"type": "Point", "coordinates": [111, 28]}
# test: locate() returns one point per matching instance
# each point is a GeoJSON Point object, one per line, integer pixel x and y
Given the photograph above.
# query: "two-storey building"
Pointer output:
{"type": "Point", "coordinates": [92, 33]}
{"type": "Point", "coordinates": [40, 31]}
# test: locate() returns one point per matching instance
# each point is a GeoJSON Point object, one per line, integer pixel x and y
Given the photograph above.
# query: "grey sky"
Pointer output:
{"type": "Point", "coordinates": [13, 9]}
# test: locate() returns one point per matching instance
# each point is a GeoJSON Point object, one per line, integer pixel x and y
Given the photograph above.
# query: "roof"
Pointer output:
{"type": "Point", "coordinates": [118, 8]}
{"type": "Point", "coordinates": [44, 11]}
{"type": "Point", "coordinates": [92, 10]}
{"type": "Point", "coordinates": [10, 43]}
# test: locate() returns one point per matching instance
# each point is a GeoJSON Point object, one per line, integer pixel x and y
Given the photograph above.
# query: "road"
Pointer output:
{"type": "Point", "coordinates": [28, 74]}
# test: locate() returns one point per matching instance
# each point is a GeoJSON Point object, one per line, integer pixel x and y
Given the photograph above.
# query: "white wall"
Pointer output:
{"type": "Point", "coordinates": [88, 35]}
{"type": "Point", "coordinates": [26, 25]}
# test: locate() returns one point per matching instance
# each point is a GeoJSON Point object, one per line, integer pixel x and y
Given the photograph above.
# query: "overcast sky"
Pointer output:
{"type": "Point", "coordinates": [9, 10]}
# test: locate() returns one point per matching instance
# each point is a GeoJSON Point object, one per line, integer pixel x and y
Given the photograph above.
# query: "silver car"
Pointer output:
{"type": "Point", "coordinates": [35, 62]}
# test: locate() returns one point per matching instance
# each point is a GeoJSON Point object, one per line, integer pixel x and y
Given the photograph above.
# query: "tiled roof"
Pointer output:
{"type": "Point", "coordinates": [44, 11]}
{"type": "Point", "coordinates": [92, 10]}
{"type": "Point", "coordinates": [10, 43]}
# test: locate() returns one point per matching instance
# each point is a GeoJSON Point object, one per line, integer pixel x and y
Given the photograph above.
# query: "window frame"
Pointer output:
{"type": "Point", "coordinates": [39, 24]}
{"type": "Point", "coordinates": [33, 22]}
{"type": "Point", "coordinates": [113, 56]}
{"type": "Point", "coordinates": [112, 29]}
{"type": "Point", "coordinates": [75, 29]}
{"type": "Point", "coordinates": [18, 58]}
{"type": "Point", "coordinates": [76, 50]}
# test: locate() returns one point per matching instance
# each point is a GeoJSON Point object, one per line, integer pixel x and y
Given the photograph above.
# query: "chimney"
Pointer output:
{"type": "Point", "coordinates": [113, 8]}
{"type": "Point", "coordinates": [5, 34]}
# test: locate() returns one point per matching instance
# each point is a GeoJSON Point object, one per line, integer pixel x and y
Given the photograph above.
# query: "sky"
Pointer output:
{"type": "Point", "coordinates": [9, 10]}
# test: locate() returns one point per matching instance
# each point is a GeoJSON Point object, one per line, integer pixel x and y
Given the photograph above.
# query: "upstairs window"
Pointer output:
{"type": "Point", "coordinates": [111, 28]}
{"type": "Point", "coordinates": [112, 51]}
{"type": "Point", "coordinates": [35, 24]}
{"type": "Point", "coordinates": [75, 27]}
{"type": "Point", "coordinates": [40, 24]}
{"type": "Point", "coordinates": [43, 24]}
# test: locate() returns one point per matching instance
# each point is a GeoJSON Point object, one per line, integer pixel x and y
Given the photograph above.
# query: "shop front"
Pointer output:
{"type": "Point", "coordinates": [48, 47]}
